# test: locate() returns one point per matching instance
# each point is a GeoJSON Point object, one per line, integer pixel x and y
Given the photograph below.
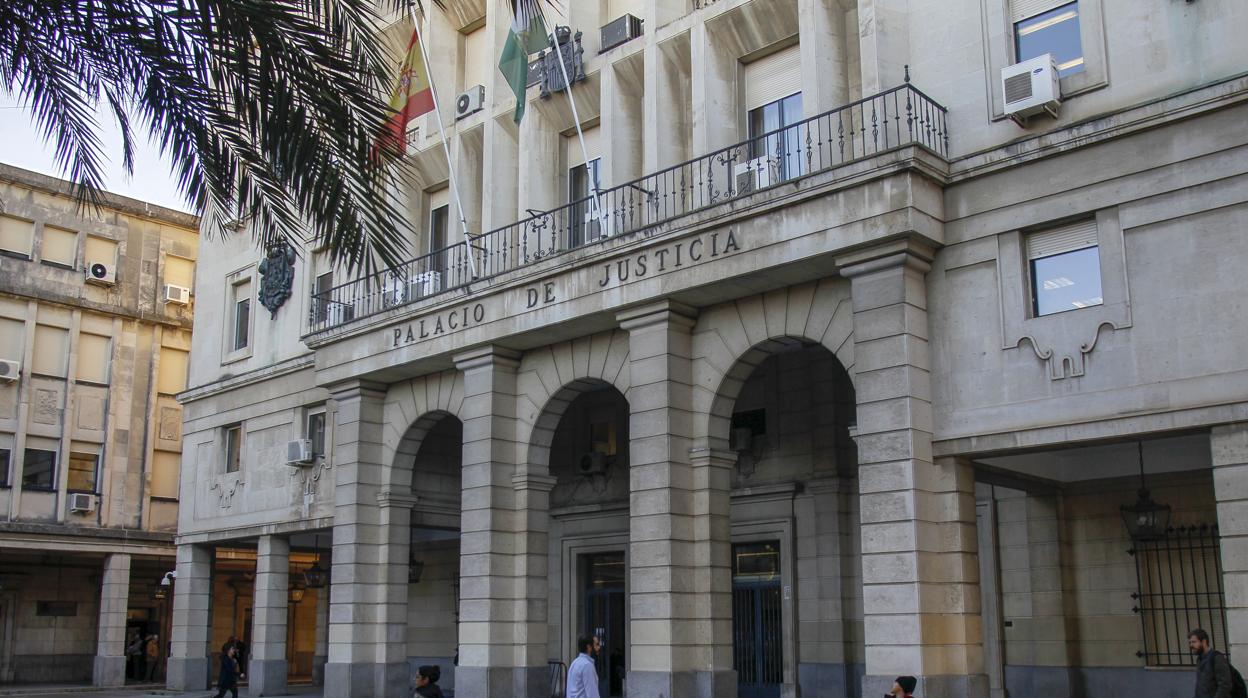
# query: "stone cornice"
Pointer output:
{"type": "Point", "coordinates": [281, 368]}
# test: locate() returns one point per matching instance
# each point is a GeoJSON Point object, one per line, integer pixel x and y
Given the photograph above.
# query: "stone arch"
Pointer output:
{"type": "Point", "coordinates": [412, 409]}
{"type": "Point", "coordinates": [730, 340]}
{"type": "Point", "coordinates": [550, 378]}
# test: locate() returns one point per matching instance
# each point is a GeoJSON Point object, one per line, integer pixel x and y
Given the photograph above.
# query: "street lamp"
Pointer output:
{"type": "Point", "coordinates": [1146, 520]}
{"type": "Point", "coordinates": [314, 577]}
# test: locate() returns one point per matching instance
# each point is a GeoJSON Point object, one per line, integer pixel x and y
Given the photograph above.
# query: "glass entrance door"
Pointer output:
{"type": "Point", "coordinates": [604, 617]}
{"type": "Point", "coordinates": [757, 620]}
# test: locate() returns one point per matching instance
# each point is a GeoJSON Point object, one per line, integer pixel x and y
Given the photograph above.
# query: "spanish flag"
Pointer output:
{"type": "Point", "coordinates": [413, 95]}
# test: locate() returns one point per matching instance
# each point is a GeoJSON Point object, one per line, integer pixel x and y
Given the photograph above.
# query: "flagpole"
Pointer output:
{"type": "Point", "coordinates": [450, 165]}
{"type": "Point", "coordinates": [580, 136]}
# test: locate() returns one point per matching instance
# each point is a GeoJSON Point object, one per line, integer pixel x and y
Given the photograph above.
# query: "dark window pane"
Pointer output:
{"type": "Point", "coordinates": [82, 472]}
{"type": "Point", "coordinates": [39, 471]}
{"type": "Point", "coordinates": [579, 189]}
{"type": "Point", "coordinates": [605, 571]}
{"type": "Point", "coordinates": [5, 457]}
{"type": "Point", "coordinates": [1066, 281]}
{"type": "Point", "coordinates": [1055, 32]}
{"type": "Point", "coordinates": [242, 321]}
{"type": "Point", "coordinates": [233, 449]}
{"type": "Point", "coordinates": [784, 148]}
{"type": "Point", "coordinates": [316, 433]}
{"type": "Point", "coordinates": [320, 310]}
{"type": "Point", "coordinates": [756, 561]}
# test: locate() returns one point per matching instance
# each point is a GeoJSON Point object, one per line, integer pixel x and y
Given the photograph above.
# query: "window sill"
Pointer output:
{"type": "Point", "coordinates": [32, 488]}
{"type": "Point", "coordinates": [93, 493]}
{"type": "Point", "coordinates": [94, 384]}
{"type": "Point", "coordinates": [236, 356]}
{"type": "Point", "coordinates": [15, 255]}
{"type": "Point", "coordinates": [57, 265]}
{"type": "Point", "coordinates": [157, 498]}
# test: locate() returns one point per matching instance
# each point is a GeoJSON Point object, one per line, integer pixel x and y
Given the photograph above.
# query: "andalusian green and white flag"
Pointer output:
{"type": "Point", "coordinates": [527, 35]}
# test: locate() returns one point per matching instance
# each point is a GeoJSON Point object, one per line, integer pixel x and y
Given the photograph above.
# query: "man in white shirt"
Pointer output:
{"type": "Point", "coordinates": [583, 675]}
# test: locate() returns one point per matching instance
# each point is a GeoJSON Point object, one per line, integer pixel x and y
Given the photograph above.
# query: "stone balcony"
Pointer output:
{"type": "Point", "coordinates": [767, 211]}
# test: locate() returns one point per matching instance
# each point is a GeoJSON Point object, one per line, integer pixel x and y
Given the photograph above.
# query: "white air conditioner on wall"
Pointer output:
{"type": "Point", "coordinates": [101, 273]}
{"type": "Point", "coordinates": [604, 227]}
{"type": "Point", "coordinates": [10, 371]}
{"type": "Point", "coordinates": [177, 294]}
{"type": "Point", "coordinates": [299, 452]}
{"type": "Point", "coordinates": [1031, 88]}
{"type": "Point", "coordinates": [338, 314]}
{"type": "Point", "coordinates": [80, 503]}
{"type": "Point", "coordinates": [470, 101]}
{"type": "Point", "coordinates": [758, 173]}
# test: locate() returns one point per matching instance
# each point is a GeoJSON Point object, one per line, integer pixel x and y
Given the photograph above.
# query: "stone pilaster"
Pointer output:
{"type": "Point", "coordinates": [266, 671]}
{"type": "Point", "coordinates": [678, 556]}
{"type": "Point", "coordinates": [189, 663]}
{"type": "Point", "coordinates": [532, 555]}
{"type": "Point", "coordinates": [110, 650]}
{"type": "Point", "coordinates": [495, 564]}
{"type": "Point", "coordinates": [919, 565]}
{"type": "Point", "coordinates": [1229, 449]}
{"type": "Point", "coordinates": [362, 647]}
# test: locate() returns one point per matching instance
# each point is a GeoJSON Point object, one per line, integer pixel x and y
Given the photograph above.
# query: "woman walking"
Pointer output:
{"type": "Point", "coordinates": [427, 682]}
{"type": "Point", "coordinates": [228, 678]}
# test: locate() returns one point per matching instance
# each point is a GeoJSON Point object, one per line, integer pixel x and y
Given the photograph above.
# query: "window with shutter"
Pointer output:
{"type": "Point", "coordinates": [1065, 267]}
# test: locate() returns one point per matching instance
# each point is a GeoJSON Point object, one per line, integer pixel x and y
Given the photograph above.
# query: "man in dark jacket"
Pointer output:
{"type": "Point", "coordinates": [1213, 671]}
{"type": "Point", "coordinates": [227, 680]}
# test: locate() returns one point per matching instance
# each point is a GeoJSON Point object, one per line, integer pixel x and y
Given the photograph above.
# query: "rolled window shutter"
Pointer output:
{"type": "Point", "coordinates": [439, 198]}
{"type": "Point", "coordinates": [475, 60]}
{"type": "Point", "coordinates": [772, 77]}
{"type": "Point", "coordinates": [1067, 238]}
{"type": "Point", "coordinates": [573, 145]}
{"type": "Point", "coordinates": [1023, 9]}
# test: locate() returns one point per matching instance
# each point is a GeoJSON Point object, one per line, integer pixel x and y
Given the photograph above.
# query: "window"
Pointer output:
{"type": "Point", "coordinates": [783, 151]}
{"type": "Point", "coordinates": [582, 214]}
{"type": "Point", "coordinates": [16, 236]}
{"type": "Point", "coordinates": [320, 294]}
{"type": "Point", "coordinates": [476, 58]}
{"type": "Point", "coordinates": [100, 250]}
{"type": "Point", "coordinates": [1180, 588]}
{"type": "Point", "coordinates": [171, 378]}
{"type": "Point", "coordinates": [241, 314]}
{"type": "Point", "coordinates": [1065, 268]}
{"type": "Point", "coordinates": [6, 458]}
{"type": "Point", "coordinates": [51, 354]}
{"type": "Point", "coordinates": [439, 224]}
{"type": "Point", "coordinates": [316, 433]}
{"type": "Point", "coordinates": [179, 271]}
{"type": "Point", "coordinates": [60, 246]}
{"type": "Point", "coordinates": [233, 448]}
{"type": "Point", "coordinates": [95, 354]}
{"type": "Point", "coordinates": [83, 472]}
{"type": "Point", "coordinates": [39, 469]}
{"type": "Point", "coordinates": [165, 469]}
{"type": "Point", "coordinates": [1040, 28]}
{"type": "Point", "coordinates": [12, 339]}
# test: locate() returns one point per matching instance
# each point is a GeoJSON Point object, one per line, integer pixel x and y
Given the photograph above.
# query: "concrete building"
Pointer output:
{"type": "Point", "coordinates": [92, 352]}
{"type": "Point", "coordinates": [849, 375]}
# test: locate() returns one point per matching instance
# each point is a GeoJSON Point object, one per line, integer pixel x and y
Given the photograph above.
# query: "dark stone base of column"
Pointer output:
{"type": "Point", "coordinates": [108, 672]}
{"type": "Point", "coordinates": [681, 684]}
{"type": "Point", "coordinates": [187, 673]}
{"type": "Point", "coordinates": [266, 677]}
{"type": "Point", "coordinates": [367, 680]}
{"type": "Point", "coordinates": [935, 686]}
{"type": "Point", "coordinates": [318, 669]}
{"type": "Point", "coordinates": [501, 682]}
{"type": "Point", "coordinates": [818, 679]}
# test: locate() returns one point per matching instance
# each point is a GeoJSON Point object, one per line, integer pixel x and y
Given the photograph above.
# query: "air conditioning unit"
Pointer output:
{"type": "Point", "coordinates": [80, 503]}
{"type": "Point", "coordinates": [299, 452]}
{"type": "Point", "coordinates": [393, 291]}
{"type": "Point", "coordinates": [427, 284]}
{"type": "Point", "coordinates": [177, 294]}
{"type": "Point", "coordinates": [595, 228]}
{"type": "Point", "coordinates": [593, 463]}
{"type": "Point", "coordinates": [338, 314]}
{"type": "Point", "coordinates": [101, 273]}
{"type": "Point", "coordinates": [1031, 88]}
{"type": "Point", "coordinates": [758, 173]}
{"type": "Point", "coordinates": [10, 371]}
{"type": "Point", "coordinates": [470, 101]}
{"type": "Point", "coordinates": [741, 439]}
{"type": "Point", "coordinates": [619, 31]}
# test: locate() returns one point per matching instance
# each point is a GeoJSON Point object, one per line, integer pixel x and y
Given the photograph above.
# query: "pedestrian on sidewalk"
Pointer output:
{"type": "Point", "coordinates": [151, 651]}
{"type": "Point", "coordinates": [904, 687]}
{"type": "Point", "coordinates": [427, 682]}
{"type": "Point", "coordinates": [227, 680]}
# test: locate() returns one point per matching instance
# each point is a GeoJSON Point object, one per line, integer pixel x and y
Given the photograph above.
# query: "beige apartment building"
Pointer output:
{"type": "Point", "coordinates": [95, 331]}
{"type": "Point", "coordinates": [854, 366]}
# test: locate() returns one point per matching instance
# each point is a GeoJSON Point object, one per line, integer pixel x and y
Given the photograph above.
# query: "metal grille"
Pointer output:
{"type": "Point", "coordinates": [756, 648]}
{"type": "Point", "coordinates": [1179, 578]}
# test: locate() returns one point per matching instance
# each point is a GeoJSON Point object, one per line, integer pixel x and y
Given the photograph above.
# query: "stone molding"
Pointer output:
{"type": "Point", "coordinates": [489, 355]}
{"type": "Point", "coordinates": [907, 251]}
{"type": "Point", "coordinates": [664, 311]}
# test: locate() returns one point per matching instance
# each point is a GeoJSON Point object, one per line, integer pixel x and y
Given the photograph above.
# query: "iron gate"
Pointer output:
{"type": "Point", "coordinates": [1179, 581]}
{"type": "Point", "coordinates": [757, 620]}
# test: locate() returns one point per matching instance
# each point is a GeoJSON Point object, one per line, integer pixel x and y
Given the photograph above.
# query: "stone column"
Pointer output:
{"type": "Point", "coordinates": [919, 565]}
{"type": "Point", "coordinates": [498, 572]}
{"type": "Point", "coordinates": [368, 557]}
{"type": "Point", "coordinates": [110, 651]}
{"type": "Point", "coordinates": [266, 671]}
{"type": "Point", "coordinates": [189, 664]}
{"type": "Point", "coordinates": [321, 651]}
{"type": "Point", "coordinates": [679, 584]}
{"type": "Point", "coordinates": [1229, 448]}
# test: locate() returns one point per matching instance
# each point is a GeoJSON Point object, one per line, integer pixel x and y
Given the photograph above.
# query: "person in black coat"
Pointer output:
{"type": "Point", "coordinates": [227, 680]}
{"type": "Point", "coordinates": [1213, 671]}
{"type": "Point", "coordinates": [427, 682]}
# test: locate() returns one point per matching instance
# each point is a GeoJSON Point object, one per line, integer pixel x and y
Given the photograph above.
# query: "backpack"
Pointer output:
{"type": "Point", "coordinates": [1238, 688]}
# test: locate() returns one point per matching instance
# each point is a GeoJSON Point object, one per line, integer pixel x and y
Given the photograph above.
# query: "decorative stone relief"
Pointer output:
{"type": "Point", "coordinates": [225, 492]}
{"type": "Point", "coordinates": [278, 272]}
{"type": "Point", "coordinates": [1062, 340]}
{"type": "Point", "coordinates": [170, 423]}
{"type": "Point", "coordinates": [47, 406]}
{"type": "Point", "coordinates": [90, 413]}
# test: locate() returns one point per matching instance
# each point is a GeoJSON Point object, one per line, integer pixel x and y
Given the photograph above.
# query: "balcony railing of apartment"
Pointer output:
{"type": "Point", "coordinates": [902, 116]}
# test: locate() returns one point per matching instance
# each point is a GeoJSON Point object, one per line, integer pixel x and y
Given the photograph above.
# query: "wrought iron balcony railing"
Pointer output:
{"type": "Point", "coordinates": [898, 117]}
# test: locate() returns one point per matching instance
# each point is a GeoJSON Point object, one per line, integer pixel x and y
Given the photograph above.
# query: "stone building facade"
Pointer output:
{"type": "Point", "coordinates": [846, 375]}
{"type": "Point", "coordinates": [90, 431]}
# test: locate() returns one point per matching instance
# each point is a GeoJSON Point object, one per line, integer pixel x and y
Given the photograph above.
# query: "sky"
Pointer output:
{"type": "Point", "coordinates": [22, 145]}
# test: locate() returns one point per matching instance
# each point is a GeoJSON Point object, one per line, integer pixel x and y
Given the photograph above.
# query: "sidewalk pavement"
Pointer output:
{"type": "Point", "coordinates": [144, 691]}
